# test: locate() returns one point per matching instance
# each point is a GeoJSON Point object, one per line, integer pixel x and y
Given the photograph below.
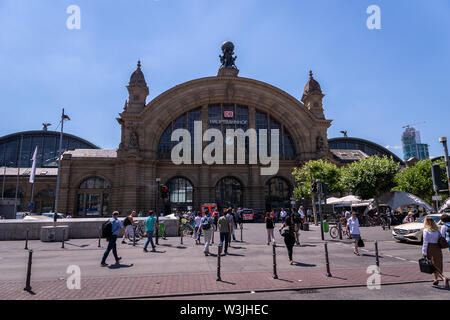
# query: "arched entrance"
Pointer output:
{"type": "Point", "coordinates": [278, 193]}
{"type": "Point", "coordinates": [45, 201]}
{"type": "Point", "coordinates": [229, 193]}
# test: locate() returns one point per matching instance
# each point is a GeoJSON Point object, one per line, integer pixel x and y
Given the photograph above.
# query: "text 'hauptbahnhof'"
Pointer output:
{"type": "Point", "coordinates": [95, 182]}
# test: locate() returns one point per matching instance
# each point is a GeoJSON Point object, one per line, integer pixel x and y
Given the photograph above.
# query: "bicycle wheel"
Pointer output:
{"type": "Point", "coordinates": [334, 232]}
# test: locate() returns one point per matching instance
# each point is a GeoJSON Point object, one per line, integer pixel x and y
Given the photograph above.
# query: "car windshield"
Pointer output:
{"type": "Point", "coordinates": [435, 218]}
{"type": "Point", "coordinates": [247, 211]}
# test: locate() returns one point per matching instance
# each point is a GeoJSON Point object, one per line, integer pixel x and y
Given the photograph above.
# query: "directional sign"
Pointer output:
{"type": "Point", "coordinates": [437, 198]}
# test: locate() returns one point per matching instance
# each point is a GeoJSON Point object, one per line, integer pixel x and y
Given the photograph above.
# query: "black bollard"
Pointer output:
{"type": "Point", "coordinates": [63, 237]}
{"type": "Point", "coordinates": [30, 258]}
{"type": "Point", "coordinates": [181, 237]}
{"type": "Point", "coordinates": [327, 260]}
{"type": "Point", "coordinates": [134, 238]}
{"type": "Point", "coordinates": [376, 254]}
{"type": "Point", "coordinates": [26, 240]}
{"type": "Point", "coordinates": [275, 275]}
{"type": "Point", "coordinates": [340, 230]}
{"type": "Point", "coordinates": [219, 253]}
{"type": "Point", "coordinates": [242, 228]}
{"type": "Point", "coordinates": [99, 237]}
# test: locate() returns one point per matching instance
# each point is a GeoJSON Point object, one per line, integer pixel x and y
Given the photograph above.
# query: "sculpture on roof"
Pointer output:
{"type": "Point", "coordinates": [227, 59]}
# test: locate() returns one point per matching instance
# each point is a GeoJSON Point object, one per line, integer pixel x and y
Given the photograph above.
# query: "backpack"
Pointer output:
{"type": "Point", "coordinates": [107, 229]}
{"type": "Point", "coordinates": [297, 217]}
{"type": "Point", "coordinates": [206, 223]}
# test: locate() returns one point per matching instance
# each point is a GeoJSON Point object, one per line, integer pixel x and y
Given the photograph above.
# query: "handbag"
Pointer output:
{"type": "Point", "coordinates": [426, 266]}
{"type": "Point", "coordinates": [361, 243]}
{"type": "Point", "coordinates": [284, 232]}
{"type": "Point", "coordinates": [442, 242]}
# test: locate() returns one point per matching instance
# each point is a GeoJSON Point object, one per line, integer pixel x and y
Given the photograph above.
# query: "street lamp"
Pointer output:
{"type": "Point", "coordinates": [443, 140]}
{"type": "Point", "coordinates": [58, 178]}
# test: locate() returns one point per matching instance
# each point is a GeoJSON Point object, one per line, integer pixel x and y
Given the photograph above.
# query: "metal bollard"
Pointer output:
{"type": "Point", "coordinates": [30, 259]}
{"type": "Point", "coordinates": [340, 230]}
{"type": "Point", "coordinates": [376, 254]}
{"type": "Point", "coordinates": [327, 260]}
{"type": "Point", "coordinates": [26, 240]}
{"type": "Point", "coordinates": [134, 238]}
{"type": "Point", "coordinates": [275, 275]}
{"type": "Point", "coordinates": [242, 228]}
{"type": "Point", "coordinates": [219, 252]}
{"type": "Point", "coordinates": [63, 237]}
{"type": "Point", "coordinates": [181, 237]}
{"type": "Point", "coordinates": [99, 237]}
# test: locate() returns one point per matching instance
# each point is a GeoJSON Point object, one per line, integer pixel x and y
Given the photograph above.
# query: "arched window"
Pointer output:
{"type": "Point", "coordinates": [93, 197]}
{"type": "Point", "coordinates": [181, 193]}
{"type": "Point", "coordinates": [229, 193]}
{"type": "Point", "coordinates": [278, 193]}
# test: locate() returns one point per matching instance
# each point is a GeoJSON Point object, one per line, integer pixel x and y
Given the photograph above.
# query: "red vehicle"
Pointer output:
{"type": "Point", "coordinates": [248, 215]}
{"type": "Point", "coordinates": [211, 207]}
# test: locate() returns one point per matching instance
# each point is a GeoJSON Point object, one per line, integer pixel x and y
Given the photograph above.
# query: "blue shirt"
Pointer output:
{"type": "Point", "coordinates": [116, 225]}
{"type": "Point", "coordinates": [150, 223]}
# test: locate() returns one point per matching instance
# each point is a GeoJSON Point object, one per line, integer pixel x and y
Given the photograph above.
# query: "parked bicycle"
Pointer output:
{"type": "Point", "coordinates": [139, 232]}
{"type": "Point", "coordinates": [334, 230]}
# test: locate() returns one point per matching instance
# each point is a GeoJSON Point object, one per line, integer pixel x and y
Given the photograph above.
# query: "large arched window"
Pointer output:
{"type": "Point", "coordinates": [278, 193]}
{"type": "Point", "coordinates": [229, 193]}
{"type": "Point", "coordinates": [181, 194]}
{"type": "Point", "coordinates": [93, 197]}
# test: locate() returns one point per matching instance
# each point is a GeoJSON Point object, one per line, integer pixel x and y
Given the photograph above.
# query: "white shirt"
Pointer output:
{"type": "Point", "coordinates": [347, 214]}
{"type": "Point", "coordinates": [444, 232]}
{"type": "Point", "coordinates": [309, 212]}
{"type": "Point", "coordinates": [301, 213]}
{"type": "Point", "coordinates": [197, 221]}
{"type": "Point", "coordinates": [283, 214]}
{"type": "Point", "coordinates": [353, 225]}
{"type": "Point", "coordinates": [429, 237]}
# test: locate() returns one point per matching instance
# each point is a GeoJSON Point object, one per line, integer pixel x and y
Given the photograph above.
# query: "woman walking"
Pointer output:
{"type": "Point", "coordinates": [432, 250]}
{"type": "Point", "coordinates": [445, 229]}
{"type": "Point", "coordinates": [269, 228]}
{"type": "Point", "coordinates": [289, 230]}
{"type": "Point", "coordinates": [353, 228]}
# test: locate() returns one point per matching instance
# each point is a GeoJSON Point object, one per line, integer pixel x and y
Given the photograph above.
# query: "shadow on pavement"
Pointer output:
{"type": "Point", "coordinates": [82, 246]}
{"type": "Point", "coordinates": [299, 264]}
{"type": "Point", "coordinates": [181, 247]}
{"type": "Point", "coordinates": [120, 266]}
{"type": "Point", "coordinates": [227, 282]}
{"type": "Point", "coordinates": [235, 255]}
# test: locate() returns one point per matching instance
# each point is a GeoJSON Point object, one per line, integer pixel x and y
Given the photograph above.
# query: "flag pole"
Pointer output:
{"type": "Point", "coordinates": [18, 174]}
{"type": "Point", "coordinates": [32, 177]}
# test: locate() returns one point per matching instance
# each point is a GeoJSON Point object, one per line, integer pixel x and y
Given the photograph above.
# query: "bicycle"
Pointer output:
{"type": "Point", "coordinates": [334, 232]}
{"type": "Point", "coordinates": [139, 232]}
{"type": "Point", "coordinates": [187, 228]}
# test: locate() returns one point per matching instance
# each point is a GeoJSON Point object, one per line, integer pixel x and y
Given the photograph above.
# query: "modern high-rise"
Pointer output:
{"type": "Point", "coordinates": [412, 145]}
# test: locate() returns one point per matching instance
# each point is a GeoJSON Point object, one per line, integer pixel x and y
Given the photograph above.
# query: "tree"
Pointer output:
{"type": "Point", "coordinates": [316, 170]}
{"type": "Point", "coordinates": [418, 180]}
{"type": "Point", "coordinates": [370, 177]}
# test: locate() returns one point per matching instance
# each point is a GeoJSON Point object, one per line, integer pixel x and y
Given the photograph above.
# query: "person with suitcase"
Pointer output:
{"type": "Point", "coordinates": [353, 228]}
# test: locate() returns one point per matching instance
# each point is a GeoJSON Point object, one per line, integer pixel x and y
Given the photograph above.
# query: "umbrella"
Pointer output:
{"type": "Point", "coordinates": [397, 199]}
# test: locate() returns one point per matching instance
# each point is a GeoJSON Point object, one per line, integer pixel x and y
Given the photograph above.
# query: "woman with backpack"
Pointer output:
{"type": "Point", "coordinates": [128, 225]}
{"type": "Point", "coordinates": [288, 230]}
{"type": "Point", "coordinates": [432, 250]}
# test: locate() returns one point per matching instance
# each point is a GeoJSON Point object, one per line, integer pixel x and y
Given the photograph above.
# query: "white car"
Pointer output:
{"type": "Point", "coordinates": [413, 232]}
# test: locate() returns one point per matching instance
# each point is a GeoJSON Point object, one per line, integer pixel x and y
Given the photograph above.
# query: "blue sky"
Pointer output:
{"type": "Point", "coordinates": [375, 81]}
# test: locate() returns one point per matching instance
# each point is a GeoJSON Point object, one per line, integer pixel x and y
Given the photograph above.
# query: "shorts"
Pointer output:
{"type": "Point", "coordinates": [356, 237]}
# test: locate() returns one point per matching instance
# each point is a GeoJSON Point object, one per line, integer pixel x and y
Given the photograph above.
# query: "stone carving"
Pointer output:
{"type": "Point", "coordinates": [320, 144]}
{"type": "Point", "coordinates": [134, 140]}
{"type": "Point", "coordinates": [227, 60]}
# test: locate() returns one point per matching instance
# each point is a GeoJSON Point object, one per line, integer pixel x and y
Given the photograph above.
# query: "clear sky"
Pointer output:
{"type": "Point", "coordinates": [375, 81]}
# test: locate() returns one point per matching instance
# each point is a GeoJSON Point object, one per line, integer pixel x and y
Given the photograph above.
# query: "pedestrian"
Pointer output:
{"type": "Point", "coordinates": [353, 229]}
{"type": "Point", "coordinates": [230, 218]}
{"type": "Point", "coordinates": [224, 232]}
{"type": "Point", "coordinates": [116, 228]}
{"type": "Point", "coordinates": [128, 225]}
{"type": "Point", "coordinates": [283, 215]}
{"type": "Point", "coordinates": [140, 215]}
{"type": "Point", "coordinates": [207, 225]}
{"type": "Point", "coordinates": [288, 232]}
{"type": "Point", "coordinates": [309, 214]}
{"type": "Point", "coordinates": [239, 217]}
{"type": "Point", "coordinates": [445, 229]}
{"type": "Point", "coordinates": [389, 215]}
{"type": "Point", "coordinates": [197, 229]}
{"type": "Point", "coordinates": [269, 228]}
{"type": "Point", "coordinates": [298, 223]}
{"type": "Point", "coordinates": [150, 227]}
{"type": "Point", "coordinates": [409, 218]}
{"type": "Point", "coordinates": [432, 251]}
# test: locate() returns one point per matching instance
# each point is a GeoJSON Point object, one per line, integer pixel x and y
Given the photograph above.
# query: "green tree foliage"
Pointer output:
{"type": "Point", "coordinates": [418, 180]}
{"type": "Point", "coordinates": [371, 177]}
{"type": "Point", "coordinates": [313, 170]}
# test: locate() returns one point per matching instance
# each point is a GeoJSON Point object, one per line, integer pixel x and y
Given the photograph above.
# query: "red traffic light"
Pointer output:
{"type": "Point", "coordinates": [164, 189]}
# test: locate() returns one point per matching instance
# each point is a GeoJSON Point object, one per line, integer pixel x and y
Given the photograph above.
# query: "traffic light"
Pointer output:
{"type": "Point", "coordinates": [438, 178]}
{"type": "Point", "coordinates": [314, 187]}
{"type": "Point", "coordinates": [164, 192]}
{"type": "Point", "coordinates": [324, 189]}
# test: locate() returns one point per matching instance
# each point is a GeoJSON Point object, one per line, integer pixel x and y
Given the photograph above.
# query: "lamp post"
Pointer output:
{"type": "Point", "coordinates": [58, 177]}
{"type": "Point", "coordinates": [158, 181]}
{"type": "Point", "coordinates": [443, 140]}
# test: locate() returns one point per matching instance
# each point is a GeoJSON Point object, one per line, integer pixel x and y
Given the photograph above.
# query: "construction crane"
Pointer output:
{"type": "Point", "coordinates": [413, 125]}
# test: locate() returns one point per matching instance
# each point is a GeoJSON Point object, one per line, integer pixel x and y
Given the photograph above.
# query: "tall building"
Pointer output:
{"type": "Point", "coordinates": [412, 146]}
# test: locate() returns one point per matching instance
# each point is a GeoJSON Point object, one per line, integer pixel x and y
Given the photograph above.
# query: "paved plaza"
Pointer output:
{"type": "Point", "coordinates": [179, 271]}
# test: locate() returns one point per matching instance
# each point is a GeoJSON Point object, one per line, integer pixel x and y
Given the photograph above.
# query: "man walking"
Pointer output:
{"type": "Point", "coordinates": [207, 225]}
{"type": "Point", "coordinates": [128, 224]}
{"type": "Point", "coordinates": [232, 223]}
{"type": "Point", "coordinates": [224, 230]}
{"type": "Point", "coordinates": [283, 215]}
{"type": "Point", "coordinates": [116, 228]}
{"type": "Point", "coordinates": [150, 227]}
